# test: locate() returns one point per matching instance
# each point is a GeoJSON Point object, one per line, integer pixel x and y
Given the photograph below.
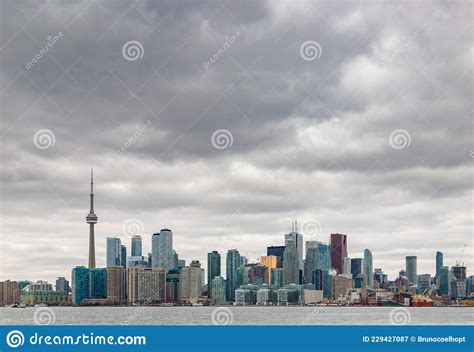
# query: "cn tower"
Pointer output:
{"type": "Point", "coordinates": [91, 219]}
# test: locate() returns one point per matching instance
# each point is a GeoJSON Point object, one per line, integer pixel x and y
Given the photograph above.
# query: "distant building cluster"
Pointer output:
{"type": "Point", "coordinates": [297, 272]}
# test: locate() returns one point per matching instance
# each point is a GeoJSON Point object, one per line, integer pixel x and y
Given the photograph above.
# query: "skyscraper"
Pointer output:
{"type": "Point", "coordinates": [356, 267]}
{"type": "Point", "coordinates": [369, 267]}
{"type": "Point", "coordinates": [444, 281]}
{"type": "Point", "coordinates": [347, 266]}
{"type": "Point", "coordinates": [411, 269]}
{"type": "Point", "coordinates": [116, 284]}
{"type": "Point", "coordinates": [323, 256]}
{"type": "Point", "coordinates": [155, 245]}
{"type": "Point", "coordinates": [114, 250]}
{"type": "Point", "coordinates": [62, 285]}
{"type": "Point", "coordinates": [136, 246]}
{"type": "Point", "coordinates": [290, 263]}
{"type": "Point", "coordinates": [98, 283]}
{"type": "Point", "coordinates": [213, 269]}
{"type": "Point", "coordinates": [310, 260]}
{"type": "Point", "coordinates": [218, 289]}
{"type": "Point", "coordinates": [439, 262]}
{"type": "Point", "coordinates": [146, 284]}
{"type": "Point", "coordinates": [80, 284]}
{"type": "Point", "coordinates": [271, 262]}
{"type": "Point", "coordinates": [123, 256]}
{"type": "Point", "coordinates": [338, 251]}
{"type": "Point", "coordinates": [91, 219]}
{"type": "Point", "coordinates": [165, 249]}
{"type": "Point", "coordinates": [232, 263]}
{"type": "Point", "coordinates": [276, 251]}
{"type": "Point", "coordinates": [297, 239]}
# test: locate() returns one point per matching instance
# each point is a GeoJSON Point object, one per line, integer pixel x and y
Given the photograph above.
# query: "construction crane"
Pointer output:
{"type": "Point", "coordinates": [462, 255]}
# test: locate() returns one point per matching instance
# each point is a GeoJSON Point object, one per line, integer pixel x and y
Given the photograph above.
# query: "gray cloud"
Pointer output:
{"type": "Point", "coordinates": [310, 138]}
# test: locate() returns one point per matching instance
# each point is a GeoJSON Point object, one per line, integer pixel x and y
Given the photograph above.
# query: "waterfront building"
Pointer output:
{"type": "Point", "coordinates": [137, 261]}
{"type": "Point", "coordinates": [470, 285]}
{"type": "Point", "coordinates": [41, 286]}
{"type": "Point", "coordinates": [218, 289]}
{"type": "Point", "coordinates": [338, 251]}
{"type": "Point", "coordinates": [80, 280]}
{"type": "Point", "coordinates": [459, 272]}
{"type": "Point", "coordinates": [62, 285]}
{"type": "Point", "coordinates": [116, 289]}
{"type": "Point", "coordinates": [266, 296]}
{"type": "Point", "coordinates": [162, 249]}
{"type": "Point", "coordinates": [155, 244]}
{"type": "Point", "coordinates": [114, 251]}
{"type": "Point", "coordinates": [270, 262]}
{"type": "Point", "coordinates": [288, 296]}
{"type": "Point", "coordinates": [323, 256]}
{"type": "Point", "coordinates": [9, 292]}
{"type": "Point", "coordinates": [172, 286]}
{"type": "Point", "coordinates": [439, 263]}
{"type": "Point", "coordinates": [213, 269]}
{"type": "Point", "coordinates": [98, 283]}
{"type": "Point", "coordinates": [276, 251]}
{"type": "Point", "coordinates": [136, 246]}
{"type": "Point", "coordinates": [290, 261]}
{"type": "Point", "coordinates": [411, 269]}
{"type": "Point", "coordinates": [31, 297]}
{"type": "Point", "coordinates": [146, 285]}
{"type": "Point", "coordinates": [242, 273]}
{"type": "Point", "coordinates": [242, 297]}
{"type": "Point", "coordinates": [257, 274]}
{"type": "Point", "coordinates": [340, 285]}
{"type": "Point", "coordinates": [232, 263]}
{"type": "Point", "coordinates": [190, 282]}
{"type": "Point", "coordinates": [368, 268]}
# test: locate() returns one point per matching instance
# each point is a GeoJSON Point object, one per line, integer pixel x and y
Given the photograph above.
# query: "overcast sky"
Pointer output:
{"type": "Point", "coordinates": [225, 120]}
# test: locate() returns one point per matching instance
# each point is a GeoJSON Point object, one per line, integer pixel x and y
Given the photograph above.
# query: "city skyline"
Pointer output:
{"type": "Point", "coordinates": [353, 120]}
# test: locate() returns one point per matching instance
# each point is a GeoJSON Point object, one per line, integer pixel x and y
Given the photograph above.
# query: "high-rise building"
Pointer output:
{"type": "Point", "coordinates": [175, 259]}
{"type": "Point", "coordinates": [411, 269]}
{"type": "Point", "coordinates": [232, 263]}
{"type": "Point", "coordinates": [146, 285]}
{"type": "Point", "coordinates": [338, 251]}
{"type": "Point", "coordinates": [470, 285]}
{"type": "Point", "coordinates": [444, 281]}
{"type": "Point", "coordinates": [98, 283]}
{"type": "Point", "coordinates": [290, 262]}
{"type": "Point", "coordinates": [114, 251]}
{"type": "Point", "coordinates": [439, 262]}
{"type": "Point", "coordinates": [213, 269]}
{"type": "Point", "coordinates": [369, 268]}
{"type": "Point", "coordinates": [218, 289]}
{"type": "Point", "coordinates": [136, 246]}
{"type": "Point", "coordinates": [270, 262]}
{"type": "Point", "coordinates": [9, 292]}
{"type": "Point", "coordinates": [310, 260]}
{"type": "Point", "coordinates": [91, 219]}
{"type": "Point", "coordinates": [459, 272]}
{"type": "Point", "coordinates": [356, 267]}
{"type": "Point", "coordinates": [323, 256]}
{"type": "Point", "coordinates": [123, 256]}
{"type": "Point", "coordinates": [322, 281]}
{"type": "Point", "coordinates": [62, 285]}
{"type": "Point", "coordinates": [276, 251]}
{"type": "Point", "coordinates": [276, 277]}
{"type": "Point", "coordinates": [258, 274]}
{"type": "Point", "coordinates": [116, 288]}
{"type": "Point", "coordinates": [190, 282]}
{"type": "Point", "coordinates": [340, 285]}
{"type": "Point", "coordinates": [162, 249]}
{"type": "Point", "coordinates": [347, 266]}
{"type": "Point", "coordinates": [297, 239]}
{"type": "Point", "coordinates": [80, 280]}
{"type": "Point", "coordinates": [172, 285]}
{"type": "Point", "coordinates": [155, 245]}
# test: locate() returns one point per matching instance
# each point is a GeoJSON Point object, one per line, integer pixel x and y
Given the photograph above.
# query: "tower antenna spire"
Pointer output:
{"type": "Point", "coordinates": [91, 219]}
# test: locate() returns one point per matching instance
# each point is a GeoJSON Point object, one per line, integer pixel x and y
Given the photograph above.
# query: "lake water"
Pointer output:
{"type": "Point", "coordinates": [237, 316]}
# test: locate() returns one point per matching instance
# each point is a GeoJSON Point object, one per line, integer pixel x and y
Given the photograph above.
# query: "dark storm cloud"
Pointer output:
{"type": "Point", "coordinates": [310, 138]}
